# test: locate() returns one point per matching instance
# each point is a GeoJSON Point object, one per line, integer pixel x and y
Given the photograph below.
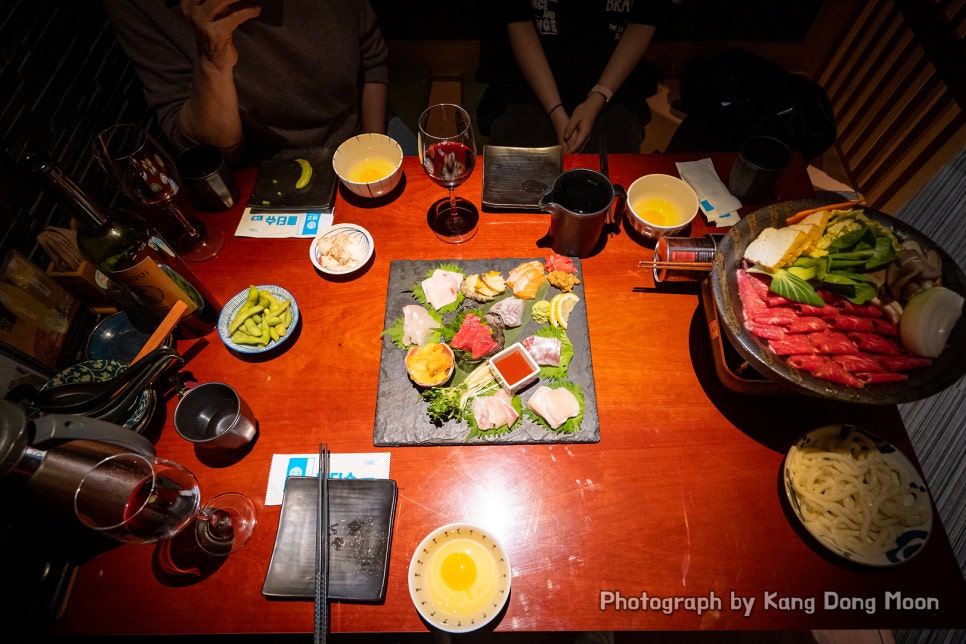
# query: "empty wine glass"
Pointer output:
{"type": "Point", "coordinates": [447, 150]}
{"type": "Point", "coordinates": [145, 172]}
{"type": "Point", "coordinates": [225, 524]}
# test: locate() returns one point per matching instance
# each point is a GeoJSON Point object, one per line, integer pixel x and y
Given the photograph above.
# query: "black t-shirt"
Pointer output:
{"type": "Point", "coordinates": [578, 38]}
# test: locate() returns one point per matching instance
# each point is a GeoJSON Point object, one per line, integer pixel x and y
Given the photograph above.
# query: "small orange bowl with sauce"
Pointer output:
{"type": "Point", "coordinates": [514, 368]}
{"type": "Point", "coordinates": [369, 165]}
{"type": "Point", "coordinates": [431, 364]}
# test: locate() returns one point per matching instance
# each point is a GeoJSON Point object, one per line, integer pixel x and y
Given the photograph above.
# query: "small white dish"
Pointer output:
{"type": "Point", "coordinates": [341, 249]}
{"type": "Point", "coordinates": [459, 578]}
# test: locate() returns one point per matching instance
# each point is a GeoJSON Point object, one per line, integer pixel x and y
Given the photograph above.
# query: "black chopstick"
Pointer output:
{"type": "Point", "coordinates": [322, 550]}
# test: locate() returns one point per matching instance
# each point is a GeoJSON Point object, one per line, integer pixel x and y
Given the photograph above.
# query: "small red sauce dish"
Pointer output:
{"type": "Point", "coordinates": [514, 367]}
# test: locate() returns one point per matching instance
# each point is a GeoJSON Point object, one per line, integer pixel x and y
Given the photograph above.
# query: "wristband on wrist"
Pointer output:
{"type": "Point", "coordinates": [554, 108]}
{"type": "Point", "coordinates": [603, 91]}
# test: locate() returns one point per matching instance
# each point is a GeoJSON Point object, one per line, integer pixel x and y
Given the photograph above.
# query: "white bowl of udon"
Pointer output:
{"type": "Point", "coordinates": [858, 495]}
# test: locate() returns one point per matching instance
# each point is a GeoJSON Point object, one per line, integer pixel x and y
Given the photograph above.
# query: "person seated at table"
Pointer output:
{"type": "Point", "coordinates": [579, 73]}
{"type": "Point", "coordinates": [254, 80]}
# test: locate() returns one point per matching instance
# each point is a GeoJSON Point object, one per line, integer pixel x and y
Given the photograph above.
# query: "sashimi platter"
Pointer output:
{"type": "Point", "coordinates": [477, 352]}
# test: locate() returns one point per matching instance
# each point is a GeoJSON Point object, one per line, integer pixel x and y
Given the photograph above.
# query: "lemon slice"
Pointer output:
{"type": "Point", "coordinates": [560, 307]}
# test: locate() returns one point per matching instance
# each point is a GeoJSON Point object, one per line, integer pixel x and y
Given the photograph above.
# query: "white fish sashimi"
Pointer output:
{"type": "Point", "coordinates": [418, 325]}
{"type": "Point", "coordinates": [554, 405]}
{"type": "Point", "coordinates": [442, 287]}
{"type": "Point", "coordinates": [511, 310]}
{"type": "Point", "coordinates": [543, 350]}
{"type": "Point", "coordinates": [494, 411]}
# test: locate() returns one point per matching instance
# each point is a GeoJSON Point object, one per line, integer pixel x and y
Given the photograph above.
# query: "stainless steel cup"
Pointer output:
{"type": "Point", "coordinates": [210, 182]}
{"type": "Point", "coordinates": [213, 415]}
{"type": "Point", "coordinates": [760, 163]}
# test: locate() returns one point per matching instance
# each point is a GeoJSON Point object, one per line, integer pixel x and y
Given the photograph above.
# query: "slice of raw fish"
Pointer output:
{"type": "Point", "coordinates": [544, 351]}
{"type": "Point", "coordinates": [511, 310]}
{"type": "Point", "coordinates": [494, 411]}
{"type": "Point", "coordinates": [442, 287]}
{"type": "Point", "coordinates": [554, 405]}
{"type": "Point", "coordinates": [418, 325]}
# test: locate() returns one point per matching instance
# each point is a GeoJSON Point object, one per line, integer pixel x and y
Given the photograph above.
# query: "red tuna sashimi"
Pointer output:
{"type": "Point", "coordinates": [474, 336]}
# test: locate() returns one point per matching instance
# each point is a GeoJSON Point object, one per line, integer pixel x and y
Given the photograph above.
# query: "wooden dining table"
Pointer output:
{"type": "Point", "coordinates": [676, 519]}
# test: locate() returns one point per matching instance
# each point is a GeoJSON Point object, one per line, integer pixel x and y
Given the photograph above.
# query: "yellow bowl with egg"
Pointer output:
{"type": "Point", "coordinates": [659, 205]}
{"type": "Point", "coordinates": [459, 578]}
{"type": "Point", "coordinates": [369, 165]}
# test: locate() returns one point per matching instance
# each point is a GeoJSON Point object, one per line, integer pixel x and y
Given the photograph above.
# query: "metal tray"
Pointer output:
{"type": "Point", "coordinates": [516, 178]}
{"type": "Point", "coordinates": [361, 513]}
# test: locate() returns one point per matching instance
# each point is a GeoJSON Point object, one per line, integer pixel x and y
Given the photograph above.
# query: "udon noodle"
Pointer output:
{"type": "Point", "coordinates": [853, 495]}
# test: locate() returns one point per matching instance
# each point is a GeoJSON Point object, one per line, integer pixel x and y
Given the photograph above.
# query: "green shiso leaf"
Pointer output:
{"type": "Point", "coordinates": [571, 425]}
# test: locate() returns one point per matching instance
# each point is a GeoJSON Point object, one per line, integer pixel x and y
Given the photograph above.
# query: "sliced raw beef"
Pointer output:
{"type": "Point", "coordinates": [903, 363]}
{"type": "Point", "coordinates": [858, 363]}
{"type": "Point", "coordinates": [851, 323]}
{"type": "Point", "coordinates": [884, 327]}
{"type": "Point", "coordinates": [820, 311]}
{"type": "Point", "coordinates": [832, 343]}
{"type": "Point", "coordinates": [778, 315]}
{"type": "Point", "coordinates": [873, 343]}
{"type": "Point", "coordinates": [861, 310]}
{"type": "Point", "coordinates": [792, 345]}
{"type": "Point", "coordinates": [810, 363]}
{"type": "Point", "coordinates": [881, 376]}
{"type": "Point", "coordinates": [807, 324]}
{"type": "Point", "coordinates": [833, 371]}
{"type": "Point", "coordinates": [766, 331]}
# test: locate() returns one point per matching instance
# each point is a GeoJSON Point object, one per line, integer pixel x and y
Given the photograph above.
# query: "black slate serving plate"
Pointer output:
{"type": "Point", "coordinates": [401, 417]}
{"type": "Point", "coordinates": [922, 383]}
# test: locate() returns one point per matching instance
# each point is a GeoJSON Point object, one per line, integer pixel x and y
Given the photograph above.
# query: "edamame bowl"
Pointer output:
{"type": "Point", "coordinates": [235, 304]}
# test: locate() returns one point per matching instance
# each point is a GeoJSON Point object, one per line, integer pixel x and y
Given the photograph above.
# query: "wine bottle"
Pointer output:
{"type": "Point", "coordinates": [147, 274]}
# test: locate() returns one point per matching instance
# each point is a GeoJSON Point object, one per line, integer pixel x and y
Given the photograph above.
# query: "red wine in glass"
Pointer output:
{"type": "Point", "coordinates": [158, 507]}
{"type": "Point", "coordinates": [447, 150]}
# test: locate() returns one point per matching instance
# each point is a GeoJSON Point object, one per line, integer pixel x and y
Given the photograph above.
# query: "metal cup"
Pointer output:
{"type": "Point", "coordinates": [760, 163]}
{"type": "Point", "coordinates": [209, 180]}
{"type": "Point", "coordinates": [213, 415]}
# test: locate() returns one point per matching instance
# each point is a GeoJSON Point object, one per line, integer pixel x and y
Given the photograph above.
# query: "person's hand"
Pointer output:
{"type": "Point", "coordinates": [581, 123]}
{"type": "Point", "coordinates": [214, 22]}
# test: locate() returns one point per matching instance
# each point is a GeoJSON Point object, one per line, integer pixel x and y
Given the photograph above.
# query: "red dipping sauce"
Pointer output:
{"type": "Point", "coordinates": [514, 367]}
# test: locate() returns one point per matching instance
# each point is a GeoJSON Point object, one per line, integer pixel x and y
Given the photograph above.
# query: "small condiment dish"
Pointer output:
{"type": "Point", "coordinates": [341, 249]}
{"type": "Point", "coordinates": [369, 165]}
{"type": "Point", "coordinates": [431, 364]}
{"type": "Point", "coordinates": [659, 205]}
{"type": "Point", "coordinates": [514, 368]}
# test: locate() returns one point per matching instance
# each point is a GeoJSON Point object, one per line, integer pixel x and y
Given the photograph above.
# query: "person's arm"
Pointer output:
{"type": "Point", "coordinates": [533, 64]}
{"type": "Point", "coordinates": [211, 114]}
{"type": "Point", "coordinates": [628, 53]}
{"type": "Point", "coordinates": [374, 101]}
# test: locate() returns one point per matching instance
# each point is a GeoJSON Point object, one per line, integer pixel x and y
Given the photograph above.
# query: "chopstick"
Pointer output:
{"type": "Point", "coordinates": [694, 266]}
{"type": "Point", "coordinates": [322, 550]}
{"type": "Point", "coordinates": [164, 329]}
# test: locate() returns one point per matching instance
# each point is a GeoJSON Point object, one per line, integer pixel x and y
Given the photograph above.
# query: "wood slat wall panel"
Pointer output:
{"type": "Point", "coordinates": [898, 120]}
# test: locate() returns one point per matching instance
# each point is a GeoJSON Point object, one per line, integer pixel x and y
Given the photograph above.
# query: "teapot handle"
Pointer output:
{"type": "Point", "coordinates": [57, 428]}
{"type": "Point", "coordinates": [618, 214]}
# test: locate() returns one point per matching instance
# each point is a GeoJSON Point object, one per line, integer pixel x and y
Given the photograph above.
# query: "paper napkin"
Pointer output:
{"type": "Point", "coordinates": [373, 465]}
{"type": "Point", "coordinates": [266, 224]}
{"type": "Point", "coordinates": [719, 206]}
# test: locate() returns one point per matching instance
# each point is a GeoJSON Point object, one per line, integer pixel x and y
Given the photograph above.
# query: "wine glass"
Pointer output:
{"type": "Point", "coordinates": [146, 173]}
{"type": "Point", "coordinates": [135, 499]}
{"type": "Point", "coordinates": [447, 151]}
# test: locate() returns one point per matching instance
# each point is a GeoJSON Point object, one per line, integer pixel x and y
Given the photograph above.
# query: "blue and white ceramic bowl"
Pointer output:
{"type": "Point", "coordinates": [234, 305]}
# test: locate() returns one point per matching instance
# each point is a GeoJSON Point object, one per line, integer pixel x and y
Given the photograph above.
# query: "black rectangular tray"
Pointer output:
{"type": "Point", "coordinates": [361, 513]}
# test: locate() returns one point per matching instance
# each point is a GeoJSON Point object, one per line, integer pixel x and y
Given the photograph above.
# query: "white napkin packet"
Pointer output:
{"type": "Point", "coordinates": [719, 206]}
{"type": "Point", "coordinates": [268, 224]}
{"type": "Point", "coordinates": [373, 465]}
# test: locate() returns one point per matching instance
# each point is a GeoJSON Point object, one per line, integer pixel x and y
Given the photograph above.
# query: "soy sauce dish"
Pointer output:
{"type": "Point", "coordinates": [459, 578]}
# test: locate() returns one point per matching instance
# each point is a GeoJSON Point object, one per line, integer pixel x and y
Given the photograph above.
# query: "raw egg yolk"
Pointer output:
{"type": "Point", "coordinates": [458, 571]}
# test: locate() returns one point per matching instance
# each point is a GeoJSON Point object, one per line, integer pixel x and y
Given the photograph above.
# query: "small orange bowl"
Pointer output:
{"type": "Point", "coordinates": [431, 364]}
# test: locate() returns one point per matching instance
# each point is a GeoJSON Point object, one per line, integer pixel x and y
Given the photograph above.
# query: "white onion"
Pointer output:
{"type": "Point", "coordinates": [928, 319]}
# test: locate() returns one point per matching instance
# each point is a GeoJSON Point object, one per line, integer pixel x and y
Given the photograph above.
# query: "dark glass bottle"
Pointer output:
{"type": "Point", "coordinates": [146, 272]}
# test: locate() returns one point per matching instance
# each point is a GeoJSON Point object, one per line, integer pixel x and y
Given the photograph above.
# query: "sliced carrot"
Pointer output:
{"type": "Point", "coordinates": [799, 216]}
